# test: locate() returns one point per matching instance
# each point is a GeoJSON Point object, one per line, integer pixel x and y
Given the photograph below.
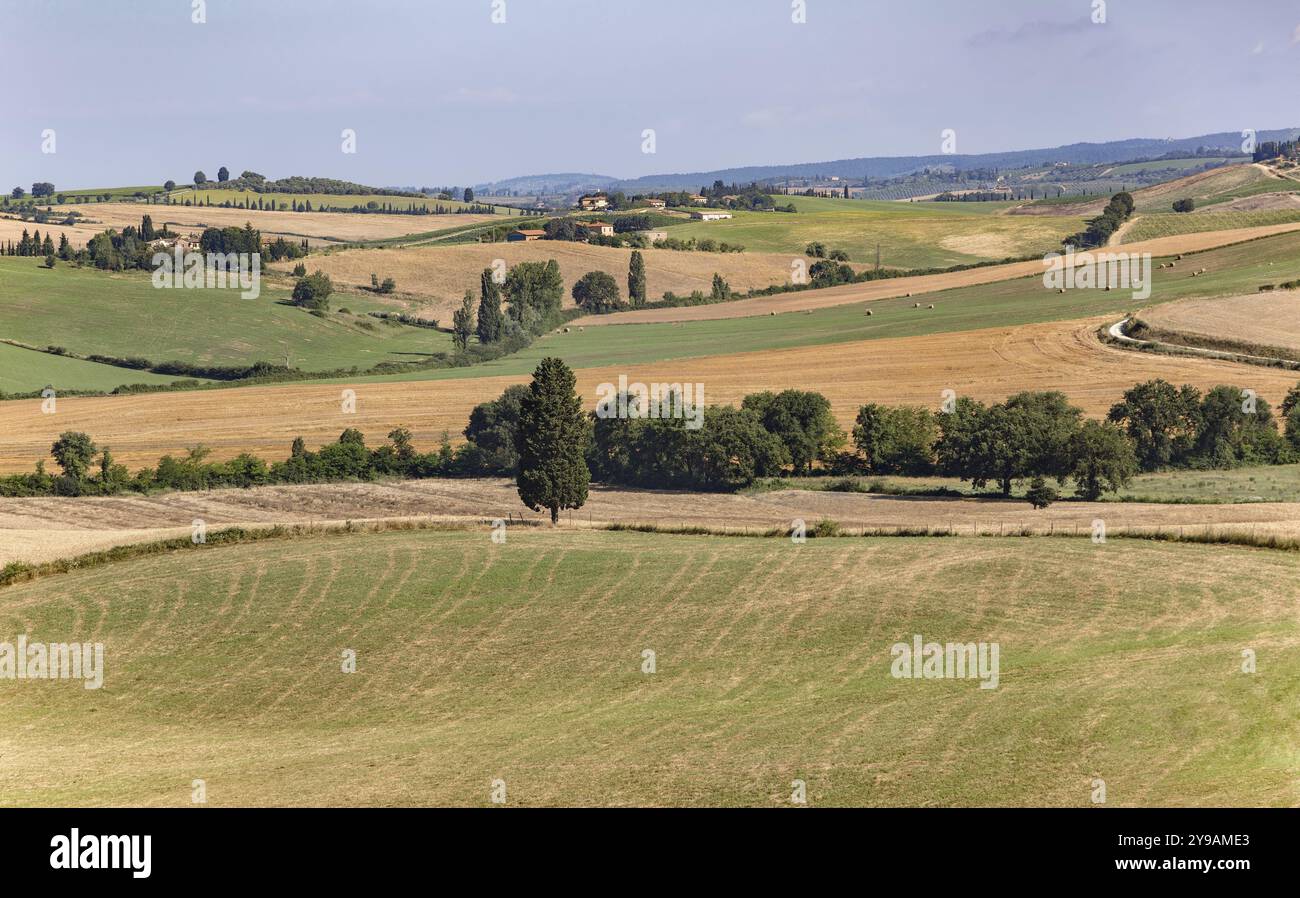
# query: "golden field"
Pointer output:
{"type": "Point", "coordinates": [1265, 319]}
{"type": "Point", "coordinates": [987, 364]}
{"type": "Point", "coordinates": [321, 228]}
{"type": "Point", "coordinates": [436, 277]}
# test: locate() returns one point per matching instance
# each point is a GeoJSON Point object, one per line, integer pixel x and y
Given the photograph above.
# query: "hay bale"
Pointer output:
{"type": "Point", "coordinates": [869, 312]}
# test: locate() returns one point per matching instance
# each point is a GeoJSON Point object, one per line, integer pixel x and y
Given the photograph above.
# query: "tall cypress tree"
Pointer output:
{"type": "Point", "coordinates": [490, 320]}
{"type": "Point", "coordinates": [636, 280]}
{"type": "Point", "coordinates": [553, 438]}
{"type": "Point", "coordinates": [462, 322]}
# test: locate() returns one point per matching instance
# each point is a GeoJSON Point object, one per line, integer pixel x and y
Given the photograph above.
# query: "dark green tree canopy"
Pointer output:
{"type": "Point", "coordinates": [596, 293]}
{"type": "Point", "coordinates": [553, 439]}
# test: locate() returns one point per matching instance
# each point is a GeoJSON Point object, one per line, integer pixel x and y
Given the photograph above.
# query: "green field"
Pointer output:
{"type": "Point", "coordinates": [114, 193]}
{"type": "Point", "coordinates": [1168, 224]}
{"type": "Point", "coordinates": [24, 370]}
{"type": "Point", "coordinates": [1159, 165]}
{"type": "Point", "coordinates": [523, 662]}
{"type": "Point", "coordinates": [911, 235]}
{"type": "Point", "coordinates": [92, 312]}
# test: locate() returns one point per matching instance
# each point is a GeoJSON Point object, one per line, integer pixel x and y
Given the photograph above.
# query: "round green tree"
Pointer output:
{"type": "Point", "coordinates": [596, 292]}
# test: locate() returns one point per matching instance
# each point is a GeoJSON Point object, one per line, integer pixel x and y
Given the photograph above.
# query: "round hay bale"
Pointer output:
{"type": "Point", "coordinates": [869, 312]}
{"type": "Point", "coordinates": [932, 305]}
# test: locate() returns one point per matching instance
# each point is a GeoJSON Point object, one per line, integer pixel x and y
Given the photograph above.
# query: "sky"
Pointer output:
{"type": "Point", "coordinates": [438, 93]}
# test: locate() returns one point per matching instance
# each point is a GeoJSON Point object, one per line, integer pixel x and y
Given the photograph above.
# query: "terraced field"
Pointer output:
{"type": "Point", "coordinates": [523, 663]}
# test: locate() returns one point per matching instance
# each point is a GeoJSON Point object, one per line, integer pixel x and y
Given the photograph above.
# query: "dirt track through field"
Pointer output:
{"type": "Point", "coordinates": [46, 529]}
{"type": "Point", "coordinates": [987, 364]}
{"type": "Point", "coordinates": [915, 286]}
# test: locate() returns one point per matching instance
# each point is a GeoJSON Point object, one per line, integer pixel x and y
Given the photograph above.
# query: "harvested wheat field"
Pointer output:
{"type": "Point", "coordinates": [439, 275]}
{"type": "Point", "coordinates": [930, 283]}
{"type": "Point", "coordinates": [45, 529]}
{"type": "Point", "coordinates": [986, 364]}
{"type": "Point", "coordinates": [319, 227]}
{"type": "Point", "coordinates": [1262, 319]}
{"type": "Point", "coordinates": [78, 235]}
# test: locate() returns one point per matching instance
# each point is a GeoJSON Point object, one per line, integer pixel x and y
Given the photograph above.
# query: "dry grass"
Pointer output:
{"type": "Point", "coordinates": [1262, 319]}
{"type": "Point", "coordinates": [986, 364]}
{"type": "Point", "coordinates": [319, 227]}
{"type": "Point", "coordinates": [436, 277]}
{"type": "Point", "coordinates": [12, 229]}
{"type": "Point", "coordinates": [46, 529]}
{"type": "Point", "coordinates": [851, 293]}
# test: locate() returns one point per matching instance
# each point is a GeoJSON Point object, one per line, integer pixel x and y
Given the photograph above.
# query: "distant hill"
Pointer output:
{"type": "Point", "coordinates": [888, 166]}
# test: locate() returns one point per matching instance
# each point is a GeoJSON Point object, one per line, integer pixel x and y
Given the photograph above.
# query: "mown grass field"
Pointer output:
{"type": "Point", "coordinates": [523, 662]}
{"type": "Point", "coordinates": [91, 312]}
{"type": "Point", "coordinates": [911, 235]}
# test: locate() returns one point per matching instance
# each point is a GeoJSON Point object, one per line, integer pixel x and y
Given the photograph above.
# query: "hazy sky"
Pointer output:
{"type": "Point", "coordinates": [438, 94]}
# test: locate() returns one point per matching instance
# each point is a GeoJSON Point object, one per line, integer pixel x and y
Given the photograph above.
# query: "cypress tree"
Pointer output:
{"type": "Point", "coordinates": [462, 322]}
{"type": "Point", "coordinates": [636, 280]}
{"type": "Point", "coordinates": [553, 438]}
{"type": "Point", "coordinates": [490, 320]}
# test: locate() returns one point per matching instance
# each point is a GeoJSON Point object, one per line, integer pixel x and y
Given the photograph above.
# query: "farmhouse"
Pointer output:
{"type": "Point", "coordinates": [593, 202]}
{"type": "Point", "coordinates": [525, 235]}
{"type": "Point", "coordinates": [699, 200]}
{"type": "Point", "coordinates": [710, 215]}
{"type": "Point", "coordinates": [652, 236]}
{"type": "Point", "coordinates": [597, 228]}
{"type": "Point", "coordinates": [654, 202]}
